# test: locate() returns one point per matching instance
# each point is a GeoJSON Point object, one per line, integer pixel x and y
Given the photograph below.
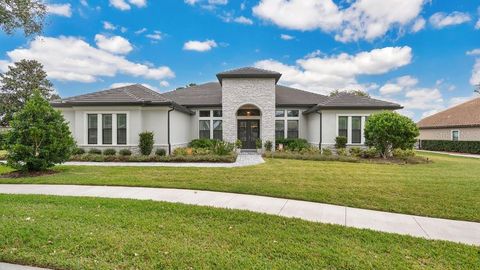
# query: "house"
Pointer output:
{"type": "Point", "coordinates": [245, 104]}
{"type": "Point", "coordinates": [459, 123]}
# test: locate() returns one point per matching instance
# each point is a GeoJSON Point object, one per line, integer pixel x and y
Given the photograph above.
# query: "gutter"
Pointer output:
{"type": "Point", "coordinates": [320, 141]}
{"type": "Point", "coordinates": [168, 130]}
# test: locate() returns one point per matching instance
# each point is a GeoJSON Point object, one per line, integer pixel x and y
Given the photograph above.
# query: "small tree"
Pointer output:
{"type": "Point", "coordinates": [389, 130]}
{"type": "Point", "coordinates": [26, 14]}
{"type": "Point", "coordinates": [39, 138]}
{"type": "Point", "coordinates": [146, 143]}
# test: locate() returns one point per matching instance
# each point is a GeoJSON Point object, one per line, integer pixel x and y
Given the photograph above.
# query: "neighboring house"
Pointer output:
{"type": "Point", "coordinates": [459, 123]}
{"type": "Point", "coordinates": [244, 104]}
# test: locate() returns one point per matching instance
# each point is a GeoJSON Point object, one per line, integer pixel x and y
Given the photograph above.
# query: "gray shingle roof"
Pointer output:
{"type": "Point", "coordinates": [210, 94]}
{"type": "Point", "coordinates": [135, 94]}
{"type": "Point", "coordinates": [248, 72]}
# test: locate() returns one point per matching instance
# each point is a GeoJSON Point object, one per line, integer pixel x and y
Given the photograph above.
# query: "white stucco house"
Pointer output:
{"type": "Point", "coordinates": [245, 104]}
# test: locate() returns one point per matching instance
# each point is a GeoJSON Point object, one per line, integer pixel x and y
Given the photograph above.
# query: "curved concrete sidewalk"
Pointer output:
{"type": "Point", "coordinates": [430, 228]}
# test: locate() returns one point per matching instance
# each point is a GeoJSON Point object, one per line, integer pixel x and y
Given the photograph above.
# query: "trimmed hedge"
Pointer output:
{"type": "Point", "coordinates": [471, 147]}
{"type": "Point", "coordinates": [203, 158]}
{"type": "Point", "coordinates": [293, 144]}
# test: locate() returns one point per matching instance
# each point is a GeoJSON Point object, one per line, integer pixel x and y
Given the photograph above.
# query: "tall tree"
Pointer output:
{"type": "Point", "coordinates": [26, 14]}
{"type": "Point", "coordinates": [18, 85]}
{"type": "Point", "coordinates": [352, 92]}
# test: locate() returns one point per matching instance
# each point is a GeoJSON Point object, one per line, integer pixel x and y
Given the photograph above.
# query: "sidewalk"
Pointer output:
{"type": "Point", "coordinates": [451, 154]}
{"type": "Point", "coordinates": [429, 228]}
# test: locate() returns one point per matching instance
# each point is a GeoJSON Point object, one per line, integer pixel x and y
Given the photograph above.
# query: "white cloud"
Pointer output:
{"type": "Point", "coordinates": [157, 35]}
{"type": "Point", "coordinates": [122, 84]}
{"type": "Point", "coordinates": [123, 5]}
{"type": "Point", "coordinates": [114, 44]}
{"type": "Point", "coordinates": [108, 26]}
{"type": "Point", "coordinates": [141, 31]}
{"type": "Point", "coordinates": [418, 25]}
{"type": "Point", "coordinates": [474, 52]}
{"type": "Point", "coordinates": [243, 20]}
{"type": "Point", "coordinates": [441, 19]}
{"type": "Point", "coordinates": [477, 25]}
{"type": "Point", "coordinates": [424, 99]}
{"type": "Point", "coordinates": [475, 79]}
{"type": "Point", "coordinates": [191, 2]}
{"type": "Point", "coordinates": [400, 84]}
{"type": "Point", "coordinates": [218, 2]}
{"type": "Point", "coordinates": [286, 37]}
{"type": "Point", "coordinates": [313, 54]}
{"type": "Point", "coordinates": [164, 84]}
{"type": "Point", "coordinates": [199, 46]}
{"type": "Point", "coordinates": [363, 19]}
{"type": "Point", "coordinates": [84, 3]}
{"type": "Point", "coordinates": [123, 29]}
{"type": "Point", "coordinates": [73, 59]}
{"type": "Point", "coordinates": [326, 73]}
{"type": "Point", "coordinates": [60, 9]}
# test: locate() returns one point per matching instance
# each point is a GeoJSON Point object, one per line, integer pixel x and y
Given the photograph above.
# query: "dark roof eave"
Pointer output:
{"type": "Point", "coordinates": [220, 77]}
{"type": "Point", "coordinates": [177, 107]}
{"type": "Point", "coordinates": [451, 126]}
{"type": "Point", "coordinates": [321, 107]}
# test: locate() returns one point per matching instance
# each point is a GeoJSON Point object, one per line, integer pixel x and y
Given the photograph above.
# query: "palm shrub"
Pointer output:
{"type": "Point", "coordinates": [146, 143]}
{"type": "Point", "coordinates": [222, 148]}
{"type": "Point", "coordinates": [268, 146]}
{"type": "Point", "coordinates": [202, 143]}
{"type": "Point", "coordinates": [39, 137]}
{"type": "Point", "coordinates": [389, 130]}
{"type": "Point", "coordinates": [340, 142]}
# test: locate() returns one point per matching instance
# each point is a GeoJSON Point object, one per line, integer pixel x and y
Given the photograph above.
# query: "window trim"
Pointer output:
{"type": "Point", "coordinates": [111, 129]}
{"type": "Point", "coordinates": [361, 124]}
{"type": "Point", "coordinates": [100, 128]}
{"type": "Point", "coordinates": [349, 127]}
{"type": "Point", "coordinates": [451, 134]}
{"type": "Point", "coordinates": [117, 128]}
{"type": "Point", "coordinates": [88, 129]}
{"type": "Point", "coordinates": [285, 119]}
{"type": "Point", "coordinates": [210, 118]}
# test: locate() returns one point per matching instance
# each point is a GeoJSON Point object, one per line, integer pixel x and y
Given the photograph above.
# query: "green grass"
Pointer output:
{"type": "Point", "coordinates": [447, 188]}
{"type": "Point", "coordinates": [91, 233]}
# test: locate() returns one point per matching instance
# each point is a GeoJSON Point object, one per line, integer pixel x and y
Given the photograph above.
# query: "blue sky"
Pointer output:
{"type": "Point", "coordinates": [423, 54]}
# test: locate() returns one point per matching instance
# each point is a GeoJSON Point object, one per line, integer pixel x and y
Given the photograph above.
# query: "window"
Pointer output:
{"type": "Point", "coordinates": [292, 132]}
{"type": "Point", "coordinates": [292, 113]}
{"type": "Point", "coordinates": [204, 113]}
{"type": "Point", "coordinates": [217, 113]}
{"type": "Point", "coordinates": [279, 113]}
{"type": "Point", "coordinates": [121, 129]}
{"type": "Point", "coordinates": [343, 126]}
{"type": "Point", "coordinates": [455, 135]}
{"type": "Point", "coordinates": [92, 129]}
{"type": "Point", "coordinates": [204, 129]}
{"type": "Point", "coordinates": [279, 129]}
{"type": "Point", "coordinates": [356, 129]}
{"type": "Point", "coordinates": [106, 129]}
{"type": "Point", "coordinates": [248, 112]}
{"type": "Point", "coordinates": [217, 129]}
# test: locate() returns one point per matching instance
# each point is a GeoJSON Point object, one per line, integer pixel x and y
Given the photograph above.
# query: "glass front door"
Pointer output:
{"type": "Point", "coordinates": [248, 133]}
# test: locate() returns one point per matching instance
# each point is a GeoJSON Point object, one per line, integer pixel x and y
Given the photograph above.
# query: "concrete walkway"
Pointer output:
{"type": "Point", "coordinates": [451, 154]}
{"type": "Point", "coordinates": [9, 266]}
{"type": "Point", "coordinates": [243, 159]}
{"type": "Point", "coordinates": [430, 228]}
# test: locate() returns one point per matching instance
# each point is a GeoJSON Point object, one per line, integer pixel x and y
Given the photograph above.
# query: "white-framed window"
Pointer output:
{"type": "Point", "coordinates": [106, 128]}
{"type": "Point", "coordinates": [210, 124]}
{"type": "Point", "coordinates": [287, 123]}
{"type": "Point", "coordinates": [352, 126]}
{"type": "Point", "coordinates": [455, 135]}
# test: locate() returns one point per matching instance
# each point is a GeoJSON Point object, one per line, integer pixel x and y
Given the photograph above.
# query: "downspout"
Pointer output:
{"type": "Point", "coordinates": [168, 130]}
{"type": "Point", "coordinates": [320, 141]}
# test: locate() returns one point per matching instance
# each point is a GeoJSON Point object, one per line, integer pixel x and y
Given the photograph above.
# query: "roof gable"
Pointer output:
{"type": "Point", "coordinates": [249, 72]}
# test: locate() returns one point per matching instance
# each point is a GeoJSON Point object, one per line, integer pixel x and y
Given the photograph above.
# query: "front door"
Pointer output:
{"type": "Point", "coordinates": [248, 132]}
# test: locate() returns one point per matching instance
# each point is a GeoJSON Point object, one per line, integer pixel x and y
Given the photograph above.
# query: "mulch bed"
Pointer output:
{"type": "Point", "coordinates": [19, 174]}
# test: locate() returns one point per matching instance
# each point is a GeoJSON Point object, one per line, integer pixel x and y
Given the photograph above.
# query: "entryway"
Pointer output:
{"type": "Point", "coordinates": [248, 132]}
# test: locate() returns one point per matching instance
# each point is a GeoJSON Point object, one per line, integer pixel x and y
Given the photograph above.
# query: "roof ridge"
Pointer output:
{"type": "Point", "coordinates": [127, 91]}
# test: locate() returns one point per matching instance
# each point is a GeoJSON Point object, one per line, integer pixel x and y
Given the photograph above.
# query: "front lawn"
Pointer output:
{"type": "Point", "coordinates": [91, 233]}
{"type": "Point", "coordinates": [447, 188]}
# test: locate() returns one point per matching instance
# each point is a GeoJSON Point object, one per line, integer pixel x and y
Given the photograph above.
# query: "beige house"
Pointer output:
{"type": "Point", "coordinates": [459, 123]}
{"type": "Point", "coordinates": [245, 104]}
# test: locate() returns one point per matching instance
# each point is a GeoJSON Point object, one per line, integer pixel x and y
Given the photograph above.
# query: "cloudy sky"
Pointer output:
{"type": "Point", "coordinates": [424, 54]}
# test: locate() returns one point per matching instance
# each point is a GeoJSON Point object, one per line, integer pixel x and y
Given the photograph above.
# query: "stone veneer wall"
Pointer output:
{"type": "Point", "coordinates": [248, 91]}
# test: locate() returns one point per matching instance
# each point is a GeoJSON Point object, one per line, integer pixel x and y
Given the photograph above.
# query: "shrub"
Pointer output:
{"type": "Point", "coordinates": [371, 152]}
{"type": "Point", "coordinates": [403, 154]}
{"type": "Point", "coordinates": [180, 151]}
{"type": "Point", "coordinates": [258, 143]}
{"type": "Point", "coordinates": [2, 140]}
{"type": "Point", "coordinates": [201, 151]}
{"type": "Point", "coordinates": [78, 151]}
{"type": "Point", "coordinates": [202, 143]}
{"type": "Point", "coordinates": [95, 151]}
{"type": "Point", "coordinates": [315, 157]}
{"type": "Point", "coordinates": [389, 130]}
{"type": "Point", "coordinates": [340, 142]}
{"type": "Point", "coordinates": [109, 152]}
{"type": "Point", "coordinates": [342, 152]}
{"type": "Point", "coordinates": [238, 144]}
{"type": "Point", "coordinates": [39, 137]}
{"type": "Point", "coordinates": [326, 152]}
{"type": "Point", "coordinates": [268, 146]}
{"type": "Point", "coordinates": [138, 158]}
{"type": "Point", "coordinates": [222, 148]}
{"type": "Point", "coordinates": [125, 152]}
{"type": "Point", "coordinates": [146, 143]}
{"type": "Point", "coordinates": [293, 144]}
{"type": "Point", "coordinates": [160, 152]}
{"type": "Point", "coordinates": [356, 151]}
{"type": "Point", "coordinates": [471, 147]}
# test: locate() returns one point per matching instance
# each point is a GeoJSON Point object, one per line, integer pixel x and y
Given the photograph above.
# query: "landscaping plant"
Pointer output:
{"type": "Point", "coordinates": [202, 143]}
{"type": "Point", "coordinates": [340, 142]}
{"type": "Point", "coordinates": [39, 137]}
{"type": "Point", "coordinates": [160, 152]}
{"type": "Point", "coordinates": [78, 151]}
{"type": "Point", "coordinates": [95, 151]}
{"type": "Point", "coordinates": [125, 152]}
{"type": "Point", "coordinates": [258, 143]}
{"type": "Point", "coordinates": [268, 146]}
{"type": "Point", "coordinates": [146, 143]}
{"type": "Point", "coordinates": [389, 130]}
{"type": "Point", "coordinates": [293, 144]}
{"type": "Point", "coordinates": [109, 152]}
